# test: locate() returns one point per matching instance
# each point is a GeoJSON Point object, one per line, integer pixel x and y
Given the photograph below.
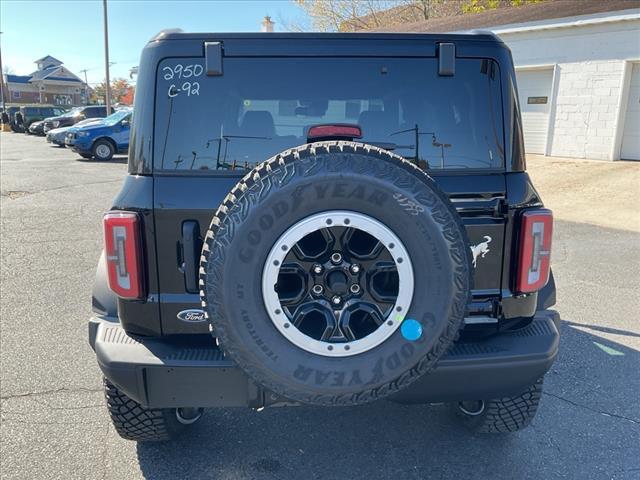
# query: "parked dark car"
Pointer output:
{"type": "Point", "coordinates": [11, 112]}
{"type": "Point", "coordinates": [328, 220]}
{"type": "Point", "coordinates": [37, 128]}
{"type": "Point", "coordinates": [101, 140]}
{"type": "Point", "coordinates": [30, 114]}
{"type": "Point", "coordinates": [7, 113]}
{"type": "Point", "coordinates": [74, 116]}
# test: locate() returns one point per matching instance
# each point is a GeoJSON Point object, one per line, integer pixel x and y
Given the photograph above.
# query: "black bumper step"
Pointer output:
{"type": "Point", "coordinates": [185, 371]}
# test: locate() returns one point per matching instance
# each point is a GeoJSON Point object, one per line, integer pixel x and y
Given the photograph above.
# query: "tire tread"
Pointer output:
{"type": "Point", "coordinates": [506, 414]}
{"type": "Point", "coordinates": [132, 421]}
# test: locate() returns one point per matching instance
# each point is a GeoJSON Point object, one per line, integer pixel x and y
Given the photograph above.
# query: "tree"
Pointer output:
{"type": "Point", "coordinates": [127, 98]}
{"type": "Point", "coordinates": [477, 6]}
{"type": "Point", "coordinates": [121, 92]}
{"type": "Point", "coordinates": [119, 89]}
{"type": "Point", "coordinates": [352, 15]}
{"type": "Point", "coordinates": [98, 94]}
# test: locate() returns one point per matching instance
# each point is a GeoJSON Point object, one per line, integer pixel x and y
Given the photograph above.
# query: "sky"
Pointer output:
{"type": "Point", "coordinates": [72, 30]}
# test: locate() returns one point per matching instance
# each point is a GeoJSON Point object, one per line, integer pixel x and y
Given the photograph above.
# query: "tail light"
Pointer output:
{"type": "Point", "coordinates": [344, 131]}
{"type": "Point", "coordinates": [123, 249]}
{"type": "Point", "coordinates": [536, 230]}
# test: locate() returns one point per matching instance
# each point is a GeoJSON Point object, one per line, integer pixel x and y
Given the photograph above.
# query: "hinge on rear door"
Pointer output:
{"type": "Point", "coordinates": [446, 59]}
{"type": "Point", "coordinates": [501, 209]}
{"type": "Point", "coordinates": [213, 58]}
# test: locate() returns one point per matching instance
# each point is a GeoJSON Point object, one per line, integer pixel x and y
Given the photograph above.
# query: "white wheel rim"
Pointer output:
{"type": "Point", "coordinates": [103, 151]}
{"type": "Point", "coordinates": [309, 225]}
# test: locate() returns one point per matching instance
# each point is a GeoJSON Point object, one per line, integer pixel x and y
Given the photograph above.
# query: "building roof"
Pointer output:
{"type": "Point", "coordinates": [532, 12]}
{"type": "Point", "coordinates": [40, 74]}
{"type": "Point", "coordinates": [18, 78]}
{"type": "Point", "coordinates": [51, 72]}
{"type": "Point", "coordinates": [48, 58]}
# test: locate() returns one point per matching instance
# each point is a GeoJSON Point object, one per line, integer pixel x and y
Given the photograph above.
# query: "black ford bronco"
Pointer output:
{"type": "Point", "coordinates": [324, 219]}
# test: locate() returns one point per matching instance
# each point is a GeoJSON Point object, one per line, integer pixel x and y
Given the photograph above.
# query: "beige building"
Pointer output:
{"type": "Point", "coordinates": [51, 83]}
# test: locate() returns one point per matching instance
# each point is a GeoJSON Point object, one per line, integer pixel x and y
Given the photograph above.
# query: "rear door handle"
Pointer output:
{"type": "Point", "coordinates": [190, 251]}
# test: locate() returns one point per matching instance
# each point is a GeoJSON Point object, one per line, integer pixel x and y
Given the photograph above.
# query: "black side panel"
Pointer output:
{"type": "Point", "coordinates": [141, 316]}
{"type": "Point", "coordinates": [103, 301]}
{"type": "Point", "coordinates": [520, 194]}
{"type": "Point", "coordinates": [547, 296]}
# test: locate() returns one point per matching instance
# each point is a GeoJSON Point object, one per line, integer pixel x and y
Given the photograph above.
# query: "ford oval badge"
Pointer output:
{"type": "Point", "coordinates": [192, 315]}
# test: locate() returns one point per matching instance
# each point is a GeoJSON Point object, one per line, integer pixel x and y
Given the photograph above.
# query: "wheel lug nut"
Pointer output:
{"type": "Point", "coordinates": [336, 300]}
{"type": "Point", "coordinates": [355, 288]}
{"type": "Point", "coordinates": [317, 289]}
{"type": "Point", "coordinates": [336, 258]}
{"type": "Point", "coordinates": [355, 268]}
{"type": "Point", "coordinates": [317, 269]}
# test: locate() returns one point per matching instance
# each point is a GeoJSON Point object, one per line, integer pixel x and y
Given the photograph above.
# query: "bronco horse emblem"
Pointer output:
{"type": "Point", "coordinates": [480, 250]}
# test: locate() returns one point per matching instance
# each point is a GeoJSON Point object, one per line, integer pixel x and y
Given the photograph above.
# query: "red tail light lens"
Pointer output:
{"type": "Point", "coordinates": [535, 250]}
{"type": "Point", "coordinates": [123, 250]}
{"type": "Point", "coordinates": [339, 130]}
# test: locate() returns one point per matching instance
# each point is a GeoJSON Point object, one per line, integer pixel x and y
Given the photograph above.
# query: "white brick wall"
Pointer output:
{"type": "Point", "coordinates": [590, 62]}
{"type": "Point", "coordinates": [586, 108]}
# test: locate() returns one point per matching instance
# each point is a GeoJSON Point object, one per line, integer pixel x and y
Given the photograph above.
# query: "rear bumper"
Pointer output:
{"type": "Point", "coordinates": [163, 372]}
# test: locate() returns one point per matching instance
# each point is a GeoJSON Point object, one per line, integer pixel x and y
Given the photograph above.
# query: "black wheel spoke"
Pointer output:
{"type": "Point", "coordinates": [292, 284]}
{"type": "Point", "coordinates": [319, 287]}
{"type": "Point", "coordinates": [317, 319]}
{"type": "Point", "coordinates": [383, 283]}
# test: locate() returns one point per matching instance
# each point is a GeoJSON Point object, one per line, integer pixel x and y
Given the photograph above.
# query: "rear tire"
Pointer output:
{"type": "Point", "coordinates": [132, 421]}
{"type": "Point", "coordinates": [103, 150]}
{"type": "Point", "coordinates": [500, 415]}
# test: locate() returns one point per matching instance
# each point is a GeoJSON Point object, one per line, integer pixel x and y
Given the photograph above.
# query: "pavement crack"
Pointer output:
{"type": "Point", "coordinates": [585, 407]}
{"type": "Point", "coordinates": [103, 454]}
{"type": "Point", "coordinates": [37, 422]}
{"type": "Point", "coordinates": [79, 407]}
{"type": "Point", "coordinates": [63, 187]}
{"type": "Point", "coordinates": [13, 194]}
{"type": "Point", "coordinates": [50, 392]}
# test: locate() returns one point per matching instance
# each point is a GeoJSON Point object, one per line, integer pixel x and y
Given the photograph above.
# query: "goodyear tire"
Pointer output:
{"type": "Point", "coordinates": [132, 421]}
{"type": "Point", "coordinates": [335, 273]}
{"type": "Point", "coordinates": [500, 415]}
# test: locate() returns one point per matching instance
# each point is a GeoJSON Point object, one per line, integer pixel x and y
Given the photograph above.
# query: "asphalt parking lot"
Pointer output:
{"type": "Point", "coordinates": [54, 423]}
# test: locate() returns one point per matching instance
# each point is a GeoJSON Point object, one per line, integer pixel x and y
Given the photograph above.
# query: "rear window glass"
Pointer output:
{"type": "Point", "coordinates": [261, 106]}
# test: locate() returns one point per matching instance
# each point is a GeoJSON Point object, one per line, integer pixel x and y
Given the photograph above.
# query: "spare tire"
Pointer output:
{"type": "Point", "coordinates": [335, 273]}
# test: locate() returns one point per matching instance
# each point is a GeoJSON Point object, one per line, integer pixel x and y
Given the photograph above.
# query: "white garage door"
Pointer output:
{"type": "Point", "coordinates": [534, 88]}
{"type": "Point", "coordinates": [630, 149]}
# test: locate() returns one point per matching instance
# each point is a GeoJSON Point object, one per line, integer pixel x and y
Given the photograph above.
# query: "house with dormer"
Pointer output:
{"type": "Point", "coordinates": [51, 83]}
